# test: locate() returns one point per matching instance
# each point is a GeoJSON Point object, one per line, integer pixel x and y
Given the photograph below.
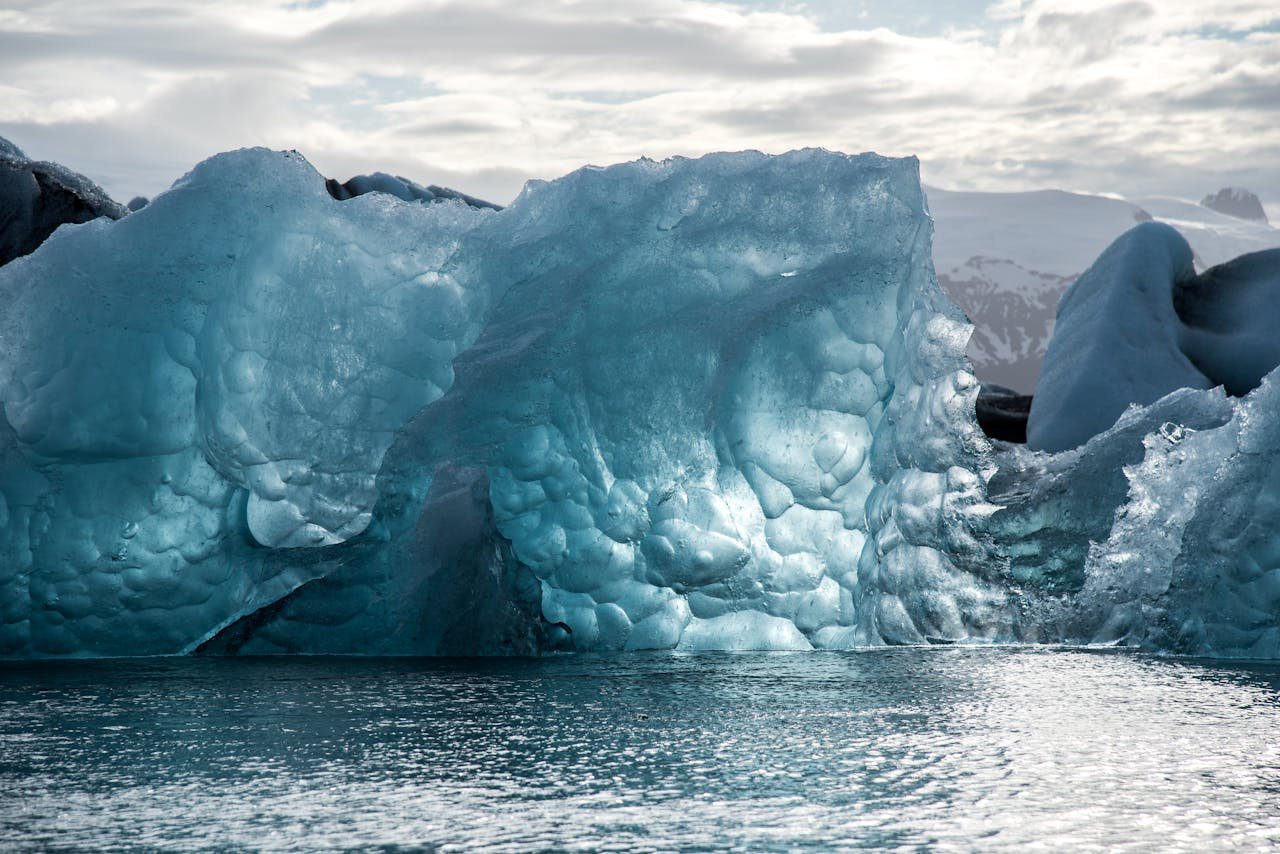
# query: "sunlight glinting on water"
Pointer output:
{"type": "Point", "coordinates": [953, 748]}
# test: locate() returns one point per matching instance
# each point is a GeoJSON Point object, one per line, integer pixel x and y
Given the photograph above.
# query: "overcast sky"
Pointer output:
{"type": "Point", "coordinates": [1174, 97]}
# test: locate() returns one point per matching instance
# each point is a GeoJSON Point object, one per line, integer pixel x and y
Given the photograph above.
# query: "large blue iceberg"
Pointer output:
{"type": "Point", "coordinates": [699, 404]}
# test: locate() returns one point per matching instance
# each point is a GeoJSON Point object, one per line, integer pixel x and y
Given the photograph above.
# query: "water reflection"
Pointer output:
{"type": "Point", "coordinates": [994, 748]}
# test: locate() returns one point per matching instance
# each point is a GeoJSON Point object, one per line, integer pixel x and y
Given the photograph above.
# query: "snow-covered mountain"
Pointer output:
{"type": "Point", "coordinates": [1006, 258]}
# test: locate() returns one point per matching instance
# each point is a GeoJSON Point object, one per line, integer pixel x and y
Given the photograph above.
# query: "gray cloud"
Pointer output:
{"type": "Point", "coordinates": [1084, 94]}
{"type": "Point", "coordinates": [166, 40]}
{"type": "Point", "coordinates": [1243, 90]}
{"type": "Point", "coordinates": [1089, 36]}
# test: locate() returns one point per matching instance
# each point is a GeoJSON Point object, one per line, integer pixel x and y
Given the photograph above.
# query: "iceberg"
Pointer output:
{"type": "Point", "coordinates": [1154, 524]}
{"type": "Point", "coordinates": [1116, 340]}
{"type": "Point", "coordinates": [1141, 323]}
{"type": "Point", "coordinates": [1160, 533]}
{"type": "Point", "coordinates": [713, 403]}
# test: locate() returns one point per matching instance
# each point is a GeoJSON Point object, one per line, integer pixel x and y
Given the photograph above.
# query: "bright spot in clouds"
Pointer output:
{"type": "Point", "coordinates": [1133, 97]}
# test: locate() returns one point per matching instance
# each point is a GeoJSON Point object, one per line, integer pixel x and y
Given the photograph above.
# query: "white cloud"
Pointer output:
{"type": "Point", "coordinates": [1134, 97]}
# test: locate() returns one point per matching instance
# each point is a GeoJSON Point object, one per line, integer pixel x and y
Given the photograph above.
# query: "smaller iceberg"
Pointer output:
{"type": "Point", "coordinates": [1140, 324]}
{"type": "Point", "coordinates": [1155, 521]}
{"type": "Point", "coordinates": [1115, 341]}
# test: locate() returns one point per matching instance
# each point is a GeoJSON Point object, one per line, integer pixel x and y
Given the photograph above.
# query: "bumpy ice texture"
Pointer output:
{"type": "Point", "coordinates": [211, 380]}
{"type": "Point", "coordinates": [710, 404]}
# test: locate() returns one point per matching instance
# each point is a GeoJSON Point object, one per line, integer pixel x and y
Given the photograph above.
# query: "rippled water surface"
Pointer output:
{"type": "Point", "coordinates": [950, 748]}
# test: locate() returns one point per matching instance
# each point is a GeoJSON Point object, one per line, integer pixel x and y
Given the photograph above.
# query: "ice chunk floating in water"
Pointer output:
{"type": "Point", "coordinates": [702, 404]}
{"type": "Point", "coordinates": [711, 403]}
{"type": "Point", "coordinates": [1116, 340]}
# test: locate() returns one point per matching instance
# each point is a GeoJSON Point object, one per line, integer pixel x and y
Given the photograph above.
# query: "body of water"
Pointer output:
{"type": "Point", "coordinates": [915, 749]}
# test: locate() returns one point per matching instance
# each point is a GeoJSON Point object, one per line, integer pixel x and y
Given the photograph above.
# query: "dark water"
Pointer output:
{"type": "Point", "coordinates": [914, 749]}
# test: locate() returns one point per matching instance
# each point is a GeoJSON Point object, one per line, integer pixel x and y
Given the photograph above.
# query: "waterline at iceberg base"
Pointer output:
{"type": "Point", "coordinates": [697, 404]}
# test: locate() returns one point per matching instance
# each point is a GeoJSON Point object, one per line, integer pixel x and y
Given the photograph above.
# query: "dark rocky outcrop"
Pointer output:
{"type": "Point", "coordinates": [36, 197]}
{"type": "Point", "coordinates": [1237, 202]}
{"type": "Point", "coordinates": [401, 188]}
{"type": "Point", "coordinates": [1003, 412]}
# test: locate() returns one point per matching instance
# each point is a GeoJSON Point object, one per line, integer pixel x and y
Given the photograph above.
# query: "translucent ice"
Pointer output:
{"type": "Point", "coordinates": [1160, 533]}
{"type": "Point", "coordinates": [699, 404]}
{"type": "Point", "coordinates": [220, 370]}
{"type": "Point", "coordinates": [710, 403]}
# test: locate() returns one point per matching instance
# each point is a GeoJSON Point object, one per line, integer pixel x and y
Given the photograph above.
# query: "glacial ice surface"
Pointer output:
{"type": "Point", "coordinates": [711, 403]}
{"type": "Point", "coordinates": [699, 404]}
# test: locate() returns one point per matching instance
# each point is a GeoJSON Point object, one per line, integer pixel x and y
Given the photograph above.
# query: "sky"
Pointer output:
{"type": "Point", "coordinates": [1175, 97]}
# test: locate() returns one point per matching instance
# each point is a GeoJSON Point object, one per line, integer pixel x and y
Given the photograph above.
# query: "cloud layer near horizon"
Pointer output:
{"type": "Point", "coordinates": [1130, 97]}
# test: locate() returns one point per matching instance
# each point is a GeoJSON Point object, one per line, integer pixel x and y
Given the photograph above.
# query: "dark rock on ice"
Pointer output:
{"type": "Point", "coordinates": [1002, 413]}
{"type": "Point", "coordinates": [36, 197]}
{"type": "Point", "coordinates": [401, 188]}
